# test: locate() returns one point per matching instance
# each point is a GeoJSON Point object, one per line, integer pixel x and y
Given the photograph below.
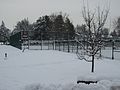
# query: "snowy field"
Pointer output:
{"type": "Point", "coordinates": [54, 70]}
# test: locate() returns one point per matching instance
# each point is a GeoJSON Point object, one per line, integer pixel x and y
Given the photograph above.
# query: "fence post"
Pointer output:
{"type": "Point", "coordinates": [72, 45]}
{"type": "Point", "coordinates": [54, 44]}
{"type": "Point", "coordinates": [53, 40]}
{"type": "Point", "coordinates": [68, 44]}
{"type": "Point", "coordinates": [41, 40]}
{"type": "Point", "coordinates": [48, 44]}
{"type": "Point", "coordinates": [28, 44]}
{"type": "Point", "coordinates": [56, 41]}
{"type": "Point", "coordinates": [63, 45]}
{"type": "Point", "coordinates": [59, 44]}
{"type": "Point", "coordinates": [113, 49]}
{"type": "Point", "coordinates": [28, 39]}
{"type": "Point", "coordinates": [77, 47]}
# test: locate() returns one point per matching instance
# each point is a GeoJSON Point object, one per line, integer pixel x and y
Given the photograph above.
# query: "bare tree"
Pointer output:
{"type": "Point", "coordinates": [94, 23]}
{"type": "Point", "coordinates": [116, 25]}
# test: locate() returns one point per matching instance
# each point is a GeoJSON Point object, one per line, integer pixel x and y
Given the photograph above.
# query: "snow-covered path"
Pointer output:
{"type": "Point", "coordinates": [48, 67]}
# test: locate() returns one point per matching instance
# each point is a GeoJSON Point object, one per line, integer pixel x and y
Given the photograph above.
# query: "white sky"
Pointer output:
{"type": "Point", "coordinates": [12, 11]}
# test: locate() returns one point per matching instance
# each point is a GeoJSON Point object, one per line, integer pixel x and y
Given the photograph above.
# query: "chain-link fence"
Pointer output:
{"type": "Point", "coordinates": [62, 41]}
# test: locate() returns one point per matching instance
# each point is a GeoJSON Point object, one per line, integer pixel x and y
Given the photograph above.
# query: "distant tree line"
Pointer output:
{"type": "Point", "coordinates": [81, 29]}
{"type": "Point", "coordinates": [48, 27]}
{"type": "Point", "coordinates": [54, 26]}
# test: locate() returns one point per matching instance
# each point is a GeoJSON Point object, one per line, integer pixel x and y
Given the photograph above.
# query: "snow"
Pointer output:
{"type": "Point", "coordinates": [54, 70]}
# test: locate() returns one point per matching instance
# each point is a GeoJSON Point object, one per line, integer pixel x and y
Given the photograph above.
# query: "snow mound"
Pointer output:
{"type": "Point", "coordinates": [66, 87]}
{"type": "Point", "coordinates": [22, 69]}
{"type": "Point", "coordinates": [101, 85]}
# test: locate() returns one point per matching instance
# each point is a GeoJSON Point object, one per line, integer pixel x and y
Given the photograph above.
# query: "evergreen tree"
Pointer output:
{"type": "Point", "coordinates": [4, 33]}
{"type": "Point", "coordinates": [69, 28]}
{"type": "Point", "coordinates": [105, 32]}
{"type": "Point", "coordinates": [42, 27]}
{"type": "Point", "coordinates": [59, 26]}
{"type": "Point", "coordinates": [22, 25]}
{"type": "Point", "coordinates": [114, 34]}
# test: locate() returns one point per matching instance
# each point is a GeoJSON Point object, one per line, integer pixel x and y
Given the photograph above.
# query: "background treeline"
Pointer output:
{"type": "Point", "coordinates": [55, 26]}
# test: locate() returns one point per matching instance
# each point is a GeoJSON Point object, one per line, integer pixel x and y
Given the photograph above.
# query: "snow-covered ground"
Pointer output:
{"type": "Point", "coordinates": [54, 70]}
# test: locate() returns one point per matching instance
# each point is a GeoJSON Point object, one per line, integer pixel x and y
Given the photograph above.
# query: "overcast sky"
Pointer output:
{"type": "Point", "coordinates": [12, 11]}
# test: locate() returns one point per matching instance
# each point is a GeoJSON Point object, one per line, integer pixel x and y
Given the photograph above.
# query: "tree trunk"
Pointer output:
{"type": "Point", "coordinates": [92, 63]}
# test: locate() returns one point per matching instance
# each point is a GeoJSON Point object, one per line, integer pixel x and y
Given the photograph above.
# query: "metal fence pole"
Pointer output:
{"type": "Point", "coordinates": [77, 47]}
{"type": "Point", "coordinates": [41, 40]}
{"type": "Point", "coordinates": [68, 44]}
{"type": "Point", "coordinates": [112, 49]}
